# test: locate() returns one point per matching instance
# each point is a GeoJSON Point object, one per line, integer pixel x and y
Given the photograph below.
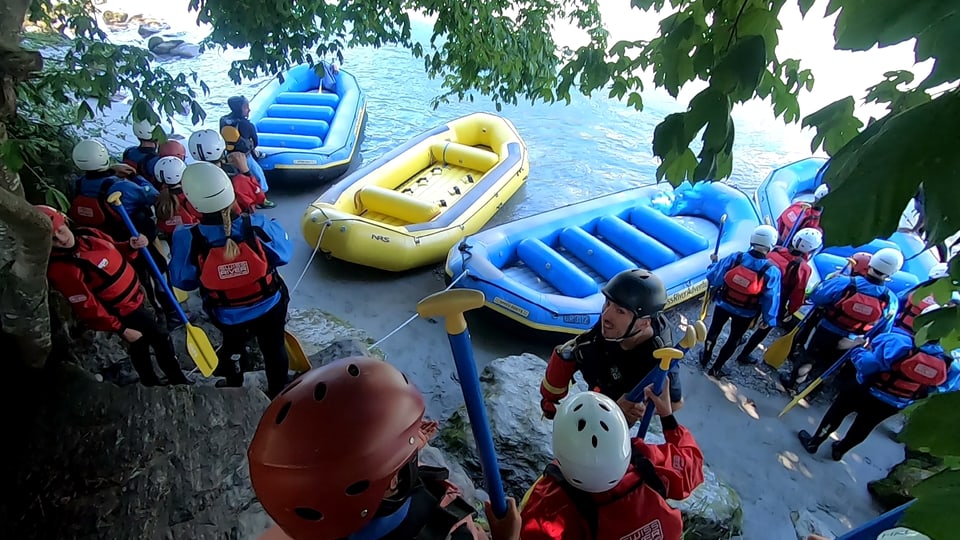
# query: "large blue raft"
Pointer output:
{"type": "Point", "coordinates": [308, 136]}
{"type": "Point", "coordinates": [797, 182]}
{"type": "Point", "coordinates": [546, 271]}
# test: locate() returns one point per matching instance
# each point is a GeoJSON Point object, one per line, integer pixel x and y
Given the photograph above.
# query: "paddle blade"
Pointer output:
{"type": "Point", "coordinates": [180, 294]}
{"type": "Point", "coordinates": [801, 395]}
{"type": "Point", "coordinates": [201, 351]}
{"type": "Point", "coordinates": [780, 349]}
{"type": "Point", "coordinates": [297, 359]}
{"type": "Point", "coordinates": [705, 305]}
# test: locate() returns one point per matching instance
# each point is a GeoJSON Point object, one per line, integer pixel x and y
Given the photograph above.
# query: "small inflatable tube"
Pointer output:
{"type": "Point", "coordinates": [462, 155]}
{"type": "Point", "coordinates": [289, 141]}
{"type": "Point", "coordinates": [294, 126]}
{"type": "Point", "coordinates": [640, 246]}
{"type": "Point", "coordinates": [302, 98]}
{"type": "Point", "coordinates": [602, 258]}
{"type": "Point", "coordinates": [667, 231]}
{"type": "Point", "coordinates": [554, 269]}
{"type": "Point", "coordinates": [390, 203]}
{"type": "Point", "coordinates": [307, 112]}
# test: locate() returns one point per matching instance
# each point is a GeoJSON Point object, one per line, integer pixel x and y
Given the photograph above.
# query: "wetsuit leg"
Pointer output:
{"type": "Point", "coordinates": [821, 351]}
{"type": "Point", "coordinates": [870, 412]}
{"type": "Point", "coordinates": [269, 332]}
{"type": "Point", "coordinates": [738, 327]}
{"type": "Point", "coordinates": [717, 321]}
{"type": "Point", "coordinates": [756, 338]}
{"type": "Point", "coordinates": [230, 352]}
{"type": "Point", "coordinates": [140, 350]}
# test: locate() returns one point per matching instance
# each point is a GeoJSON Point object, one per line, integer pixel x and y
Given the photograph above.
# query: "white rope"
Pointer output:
{"type": "Point", "coordinates": [312, 255]}
{"type": "Point", "coordinates": [415, 315]}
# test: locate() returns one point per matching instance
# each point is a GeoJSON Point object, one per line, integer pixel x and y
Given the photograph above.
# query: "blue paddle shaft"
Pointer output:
{"type": "Point", "coordinates": [479, 422]}
{"type": "Point", "coordinates": [793, 230]}
{"type": "Point", "coordinates": [144, 252]}
{"type": "Point", "coordinates": [660, 378]}
{"type": "Point", "coordinates": [716, 247]}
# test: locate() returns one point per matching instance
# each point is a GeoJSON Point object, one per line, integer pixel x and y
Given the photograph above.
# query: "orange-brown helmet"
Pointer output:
{"type": "Point", "coordinates": [861, 263]}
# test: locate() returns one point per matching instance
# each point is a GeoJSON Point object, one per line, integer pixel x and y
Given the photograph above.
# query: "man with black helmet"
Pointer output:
{"type": "Point", "coordinates": [617, 353]}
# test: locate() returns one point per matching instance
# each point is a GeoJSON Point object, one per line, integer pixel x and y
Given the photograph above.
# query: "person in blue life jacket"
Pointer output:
{"type": "Point", "coordinates": [328, 81]}
{"type": "Point", "coordinates": [143, 157]}
{"type": "Point", "coordinates": [248, 141]}
{"type": "Point", "coordinates": [849, 306]}
{"type": "Point", "coordinates": [233, 260]}
{"type": "Point", "coordinates": [747, 287]}
{"type": "Point", "coordinates": [89, 208]}
{"type": "Point", "coordinates": [891, 373]}
{"type": "Point", "coordinates": [911, 305]}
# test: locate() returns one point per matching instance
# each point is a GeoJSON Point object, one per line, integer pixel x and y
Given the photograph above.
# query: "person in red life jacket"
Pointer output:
{"type": "Point", "coordinates": [172, 148]}
{"type": "Point", "coordinates": [807, 213]}
{"type": "Point", "coordinates": [747, 287]}
{"type": "Point", "coordinates": [173, 208]}
{"type": "Point", "coordinates": [850, 306]}
{"type": "Point", "coordinates": [233, 260]}
{"type": "Point", "coordinates": [603, 485]}
{"type": "Point", "coordinates": [143, 157]}
{"type": "Point", "coordinates": [911, 305]}
{"type": "Point", "coordinates": [861, 263]}
{"type": "Point", "coordinates": [794, 274]}
{"type": "Point", "coordinates": [617, 353]}
{"type": "Point", "coordinates": [891, 374]}
{"type": "Point", "coordinates": [208, 145]}
{"type": "Point", "coordinates": [367, 485]}
{"type": "Point", "coordinates": [91, 271]}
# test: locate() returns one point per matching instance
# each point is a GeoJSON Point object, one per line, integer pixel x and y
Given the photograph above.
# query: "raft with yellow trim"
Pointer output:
{"type": "Point", "coordinates": [409, 207]}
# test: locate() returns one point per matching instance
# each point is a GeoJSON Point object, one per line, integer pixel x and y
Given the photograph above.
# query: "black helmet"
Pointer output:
{"type": "Point", "coordinates": [638, 290]}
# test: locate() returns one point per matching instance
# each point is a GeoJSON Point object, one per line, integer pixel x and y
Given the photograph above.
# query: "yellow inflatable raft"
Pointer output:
{"type": "Point", "coordinates": [408, 208]}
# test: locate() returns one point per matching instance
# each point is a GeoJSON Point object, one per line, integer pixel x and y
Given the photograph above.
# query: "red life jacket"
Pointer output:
{"type": "Point", "coordinates": [914, 376]}
{"type": "Point", "coordinates": [742, 287]}
{"type": "Point", "coordinates": [106, 272]}
{"type": "Point", "coordinates": [855, 311]}
{"type": "Point", "coordinates": [913, 310]}
{"type": "Point", "coordinates": [809, 216]}
{"type": "Point", "coordinates": [244, 280]}
{"type": "Point", "coordinates": [186, 215]}
{"type": "Point", "coordinates": [789, 266]}
{"type": "Point", "coordinates": [640, 514]}
{"type": "Point", "coordinates": [94, 211]}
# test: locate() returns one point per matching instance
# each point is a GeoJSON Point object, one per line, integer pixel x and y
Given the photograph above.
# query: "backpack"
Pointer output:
{"type": "Point", "coordinates": [94, 211]}
{"type": "Point", "coordinates": [242, 281]}
{"type": "Point", "coordinates": [742, 286]}
{"type": "Point", "coordinates": [913, 377]}
{"type": "Point", "coordinates": [857, 312]}
{"type": "Point", "coordinates": [586, 507]}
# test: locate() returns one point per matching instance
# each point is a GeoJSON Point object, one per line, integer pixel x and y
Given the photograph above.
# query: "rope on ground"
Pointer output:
{"type": "Point", "coordinates": [415, 315]}
{"type": "Point", "coordinates": [312, 255]}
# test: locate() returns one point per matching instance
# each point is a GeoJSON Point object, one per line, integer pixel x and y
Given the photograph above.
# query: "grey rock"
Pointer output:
{"type": "Point", "coordinates": [150, 28]}
{"type": "Point", "coordinates": [342, 348]}
{"type": "Point", "coordinates": [186, 50]}
{"type": "Point", "coordinates": [807, 522]}
{"type": "Point", "coordinates": [163, 47]}
{"type": "Point", "coordinates": [435, 457]}
{"type": "Point", "coordinates": [115, 18]}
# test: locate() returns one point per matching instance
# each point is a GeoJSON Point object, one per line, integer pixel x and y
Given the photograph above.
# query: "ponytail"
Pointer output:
{"type": "Point", "coordinates": [168, 204]}
{"type": "Point", "coordinates": [232, 250]}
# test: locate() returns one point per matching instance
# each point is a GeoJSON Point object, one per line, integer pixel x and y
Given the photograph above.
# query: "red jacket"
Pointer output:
{"type": "Point", "coordinates": [187, 215]}
{"type": "Point", "coordinates": [809, 216]}
{"type": "Point", "coordinates": [248, 192]}
{"type": "Point", "coordinates": [632, 510]}
{"type": "Point", "coordinates": [96, 279]}
{"type": "Point", "coordinates": [795, 274]}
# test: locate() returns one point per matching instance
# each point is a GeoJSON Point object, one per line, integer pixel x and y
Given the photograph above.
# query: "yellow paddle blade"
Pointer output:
{"type": "Point", "coordinates": [297, 359]}
{"type": "Point", "coordinates": [180, 294]}
{"type": "Point", "coordinates": [200, 349]}
{"type": "Point", "coordinates": [705, 305]}
{"type": "Point", "coordinates": [701, 330]}
{"type": "Point", "coordinates": [780, 349]}
{"type": "Point", "coordinates": [801, 395]}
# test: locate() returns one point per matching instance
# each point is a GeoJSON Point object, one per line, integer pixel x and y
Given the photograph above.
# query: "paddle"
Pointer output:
{"type": "Point", "coordinates": [794, 229]}
{"type": "Point", "coordinates": [716, 249]}
{"type": "Point", "coordinates": [297, 359]}
{"type": "Point", "coordinates": [163, 250]}
{"type": "Point", "coordinates": [826, 374]}
{"type": "Point", "coordinates": [694, 334]}
{"type": "Point", "coordinates": [198, 345]}
{"type": "Point", "coordinates": [451, 304]}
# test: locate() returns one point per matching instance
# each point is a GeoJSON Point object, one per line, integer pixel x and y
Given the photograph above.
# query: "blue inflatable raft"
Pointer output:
{"type": "Point", "coordinates": [797, 182]}
{"type": "Point", "coordinates": [308, 135]}
{"type": "Point", "coordinates": [546, 271]}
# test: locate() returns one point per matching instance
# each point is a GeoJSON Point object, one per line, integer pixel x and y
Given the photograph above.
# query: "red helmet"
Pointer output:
{"type": "Point", "coordinates": [328, 447]}
{"type": "Point", "coordinates": [861, 263]}
{"type": "Point", "coordinates": [57, 217]}
{"type": "Point", "coordinates": [172, 148]}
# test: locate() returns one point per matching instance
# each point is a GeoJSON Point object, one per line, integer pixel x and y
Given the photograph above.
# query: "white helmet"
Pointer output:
{"type": "Point", "coordinates": [91, 155]}
{"type": "Point", "coordinates": [902, 533]}
{"type": "Point", "coordinates": [144, 130]}
{"type": "Point", "coordinates": [206, 145]}
{"type": "Point", "coordinates": [886, 261]}
{"type": "Point", "coordinates": [591, 442]}
{"type": "Point", "coordinates": [807, 240]}
{"type": "Point", "coordinates": [939, 270]}
{"type": "Point", "coordinates": [821, 192]}
{"type": "Point", "coordinates": [764, 236]}
{"type": "Point", "coordinates": [207, 187]}
{"type": "Point", "coordinates": [169, 170]}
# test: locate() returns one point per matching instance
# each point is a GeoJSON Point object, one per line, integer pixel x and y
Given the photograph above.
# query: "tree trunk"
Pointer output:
{"type": "Point", "coordinates": [25, 235]}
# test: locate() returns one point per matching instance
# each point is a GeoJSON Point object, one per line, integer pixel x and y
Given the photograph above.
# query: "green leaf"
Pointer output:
{"type": "Point", "coordinates": [677, 167]}
{"type": "Point", "coordinates": [738, 72]}
{"type": "Point", "coordinates": [941, 289]}
{"type": "Point", "coordinates": [942, 324]}
{"type": "Point", "coordinates": [805, 6]}
{"type": "Point", "coordinates": [11, 155]}
{"type": "Point", "coordinates": [935, 512]}
{"type": "Point", "coordinates": [924, 429]}
{"type": "Point", "coordinates": [835, 125]}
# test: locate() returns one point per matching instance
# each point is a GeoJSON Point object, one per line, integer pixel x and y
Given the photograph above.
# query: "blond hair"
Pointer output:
{"type": "Point", "coordinates": [168, 205]}
{"type": "Point", "coordinates": [231, 248]}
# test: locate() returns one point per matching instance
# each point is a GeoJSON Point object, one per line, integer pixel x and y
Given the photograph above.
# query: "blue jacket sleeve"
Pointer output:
{"type": "Point", "coordinates": [770, 299]}
{"type": "Point", "coordinates": [183, 273]}
{"type": "Point", "coordinates": [279, 248]}
{"type": "Point", "coordinates": [890, 314]}
{"type": "Point", "coordinates": [952, 384]}
{"type": "Point", "coordinates": [135, 196]}
{"type": "Point", "coordinates": [716, 271]}
{"type": "Point", "coordinates": [884, 350]}
{"type": "Point", "coordinates": [829, 291]}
